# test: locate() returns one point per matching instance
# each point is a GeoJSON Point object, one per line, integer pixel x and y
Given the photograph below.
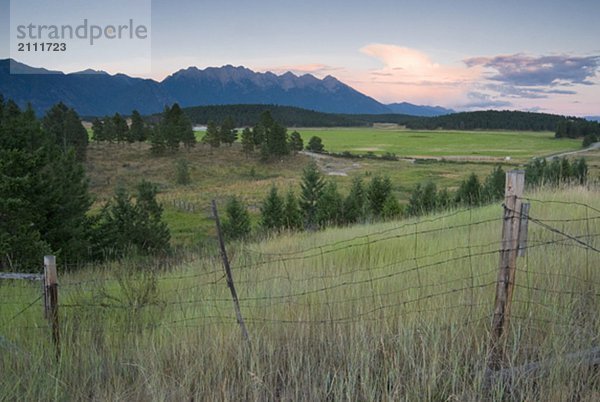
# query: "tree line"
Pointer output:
{"type": "Point", "coordinates": [489, 120]}
{"type": "Point", "coordinates": [45, 204]}
{"type": "Point", "coordinates": [579, 128]}
{"type": "Point", "coordinates": [247, 115]}
{"type": "Point", "coordinates": [173, 129]}
{"type": "Point", "coordinates": [319, 204]}
{"type": "Point", "coordinates": [267, 136]}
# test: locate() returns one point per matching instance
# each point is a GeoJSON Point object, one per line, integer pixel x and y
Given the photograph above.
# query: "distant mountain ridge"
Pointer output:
{"type": "Point", "coordinates": [96, 93]}
{"type": "Point", "coordinates": [418, 110]}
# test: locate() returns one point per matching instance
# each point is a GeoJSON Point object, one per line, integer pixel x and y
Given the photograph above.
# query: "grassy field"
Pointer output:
{"type": "Point", "coordinates": [394, 311]}
{"type": "Point", "coordinates": [218, 174]}
{"type": "Point", "coordinates": [225, 171]}
{"type": "Point", "coordinates": [457, 144]}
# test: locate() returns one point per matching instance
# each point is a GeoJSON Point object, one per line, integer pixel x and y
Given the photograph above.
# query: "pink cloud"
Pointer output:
{"type": "Point", "coordinates": [411, 75]}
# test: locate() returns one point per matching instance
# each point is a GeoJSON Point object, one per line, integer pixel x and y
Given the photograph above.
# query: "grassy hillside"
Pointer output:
{"type": "Point", "coordinates": [396, 311]}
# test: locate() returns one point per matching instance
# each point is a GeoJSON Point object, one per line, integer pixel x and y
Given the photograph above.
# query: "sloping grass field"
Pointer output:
{"type": "Point", "coordinates": [392, 311]}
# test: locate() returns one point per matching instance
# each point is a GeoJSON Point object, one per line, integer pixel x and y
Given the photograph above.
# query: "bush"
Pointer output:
{"type": "Point", "coordinates": [315, 144]}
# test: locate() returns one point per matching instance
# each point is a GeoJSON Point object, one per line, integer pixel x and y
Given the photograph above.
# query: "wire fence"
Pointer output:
{"type": "Point", "coordinates": [442, 269]}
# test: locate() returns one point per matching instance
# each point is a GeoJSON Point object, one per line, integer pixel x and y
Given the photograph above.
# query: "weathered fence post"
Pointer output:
{"type": "Point", "coordinates": [51, 299]}
{"type": "Point", "coordinates": [229, 277]}
{"type": "Point", "coordinates": [513, 191]}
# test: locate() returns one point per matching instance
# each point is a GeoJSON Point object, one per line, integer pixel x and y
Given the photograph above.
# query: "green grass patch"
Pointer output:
{"type": "Point", "coordinates": [417, 143]}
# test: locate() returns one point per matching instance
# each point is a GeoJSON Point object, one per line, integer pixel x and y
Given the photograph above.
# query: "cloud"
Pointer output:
{"type": "Point", "coordinates": [407, 74]}
{"type": "Point", "coordinates": [527, 70]}
{"type": "Point", "coordinates": [512, 91]}
{"type": "Point", "coordinates": [479, 100]}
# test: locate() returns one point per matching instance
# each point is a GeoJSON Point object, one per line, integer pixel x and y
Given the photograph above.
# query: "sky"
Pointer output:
{"type": "Point", "coordinates": [541, 55]}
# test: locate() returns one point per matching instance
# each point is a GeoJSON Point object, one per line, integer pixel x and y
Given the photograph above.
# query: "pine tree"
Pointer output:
{"type": "Point", "coordinates": [44, 197]}
{"type": "Point", "coordinates": [272, 213]}
{"type": "Point", "coordinates": [211, 136]}
{"type": "Point", "coordinates": [355, 202]}
{"type": "Point", "coordinates": [186, 130]}
{"type": "Point", "coordinates": [566, 171]}
{"type": "Point", "coordinates": [125, 226]}
{"type": "Point", "coordinates": [329, 206]}
{"type": "Point", "coordinates": [379, 189]}
{"type": "Point", "coordinates": [228, 133]}
{"type": "Point", "coordinates": [63, 125]}
{"type": "Point", "coordinates": [121, 128]}
{"type": "Point", "coordinates": [277, 140]}
{"type": "Point", "coordinates": [311, 189]}
{"type": "Point", "coordinates": [109, 131]}
{"type": "Point", "coordinates": [295, 142]}
{"type": "Point", "coordinates": [247, 141]}
{"type": "Point", "coordinates": [237, 221]}
{"type": "Point", "coordinates": [169, 128]}
{"type": "Point", "coordinates": [469, 192]}
{"type": "Point", "coordinates": [429, 201]}
{"type": "Point", "coordinates": [158, 143]}
{"type": "Point", "coordinates": [98, 130]}
{"type": "Point", "coordinates": [291, 211]}
{"type": "Point", "coordinates": [137, 131]}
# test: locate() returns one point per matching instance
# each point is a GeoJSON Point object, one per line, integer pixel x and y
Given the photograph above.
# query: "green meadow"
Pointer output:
{"type": "Point", "coordinates": [439, 143]}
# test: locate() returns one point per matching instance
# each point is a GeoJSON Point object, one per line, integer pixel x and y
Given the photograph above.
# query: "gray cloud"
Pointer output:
{"type": "Point", "coordinates": [525, 70]}
{"type": "Point", "coordinates": [513, 91]}
{"type": "Point", "coordinates": [480, 100]}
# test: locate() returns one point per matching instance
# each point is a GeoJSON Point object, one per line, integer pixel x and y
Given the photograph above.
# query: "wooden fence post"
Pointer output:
{"type": "Point", "coordinates": [51, 299]}
{"type": "Point", "coordinates": [515, 183]}
{"type": "Point", "coordinates": [229, 277]}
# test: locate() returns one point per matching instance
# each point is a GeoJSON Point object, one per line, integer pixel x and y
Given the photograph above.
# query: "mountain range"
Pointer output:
{"type": "Point", "coordinates": [97, 93]}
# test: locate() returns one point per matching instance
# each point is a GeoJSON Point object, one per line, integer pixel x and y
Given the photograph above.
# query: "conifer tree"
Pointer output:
{"type": "Point", "coordinates": [247, 141]}
{"type": "Point", "coordinates": [98, 130]}
{"type": "Point", "coordinates": [211, 136]}
{"type": "Point", "coordinates": [295, 142]}
{"type": "Point", "coordinates": [292, 212]}
{"type": "Point", "coordinates": [329, 206]}
{"type": "Point", "coordinates": [272, 212]}
{"type": "Point", "coordinates": [355, 202]}
{"type": "Point", "coordinates": [311, 189]}
{"type": "Point", "coordinates": [379, 189]}
{"type": "Point", "coordinates": [137, 131]}
{"type": "Point", "coordinates": [64, 126]}
{"type": "Point", "coordinates": [236, 224]}
{"type": "Point", "coordinates": [227, 132]}
{"type": "Point", "coordinates": [121, 128]}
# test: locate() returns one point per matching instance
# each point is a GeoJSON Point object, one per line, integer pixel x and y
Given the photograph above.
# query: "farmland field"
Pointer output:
{"type": "Point", "coordinates": [393, 311]}
{"type": "Point", "coordinates": [417, 143]}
